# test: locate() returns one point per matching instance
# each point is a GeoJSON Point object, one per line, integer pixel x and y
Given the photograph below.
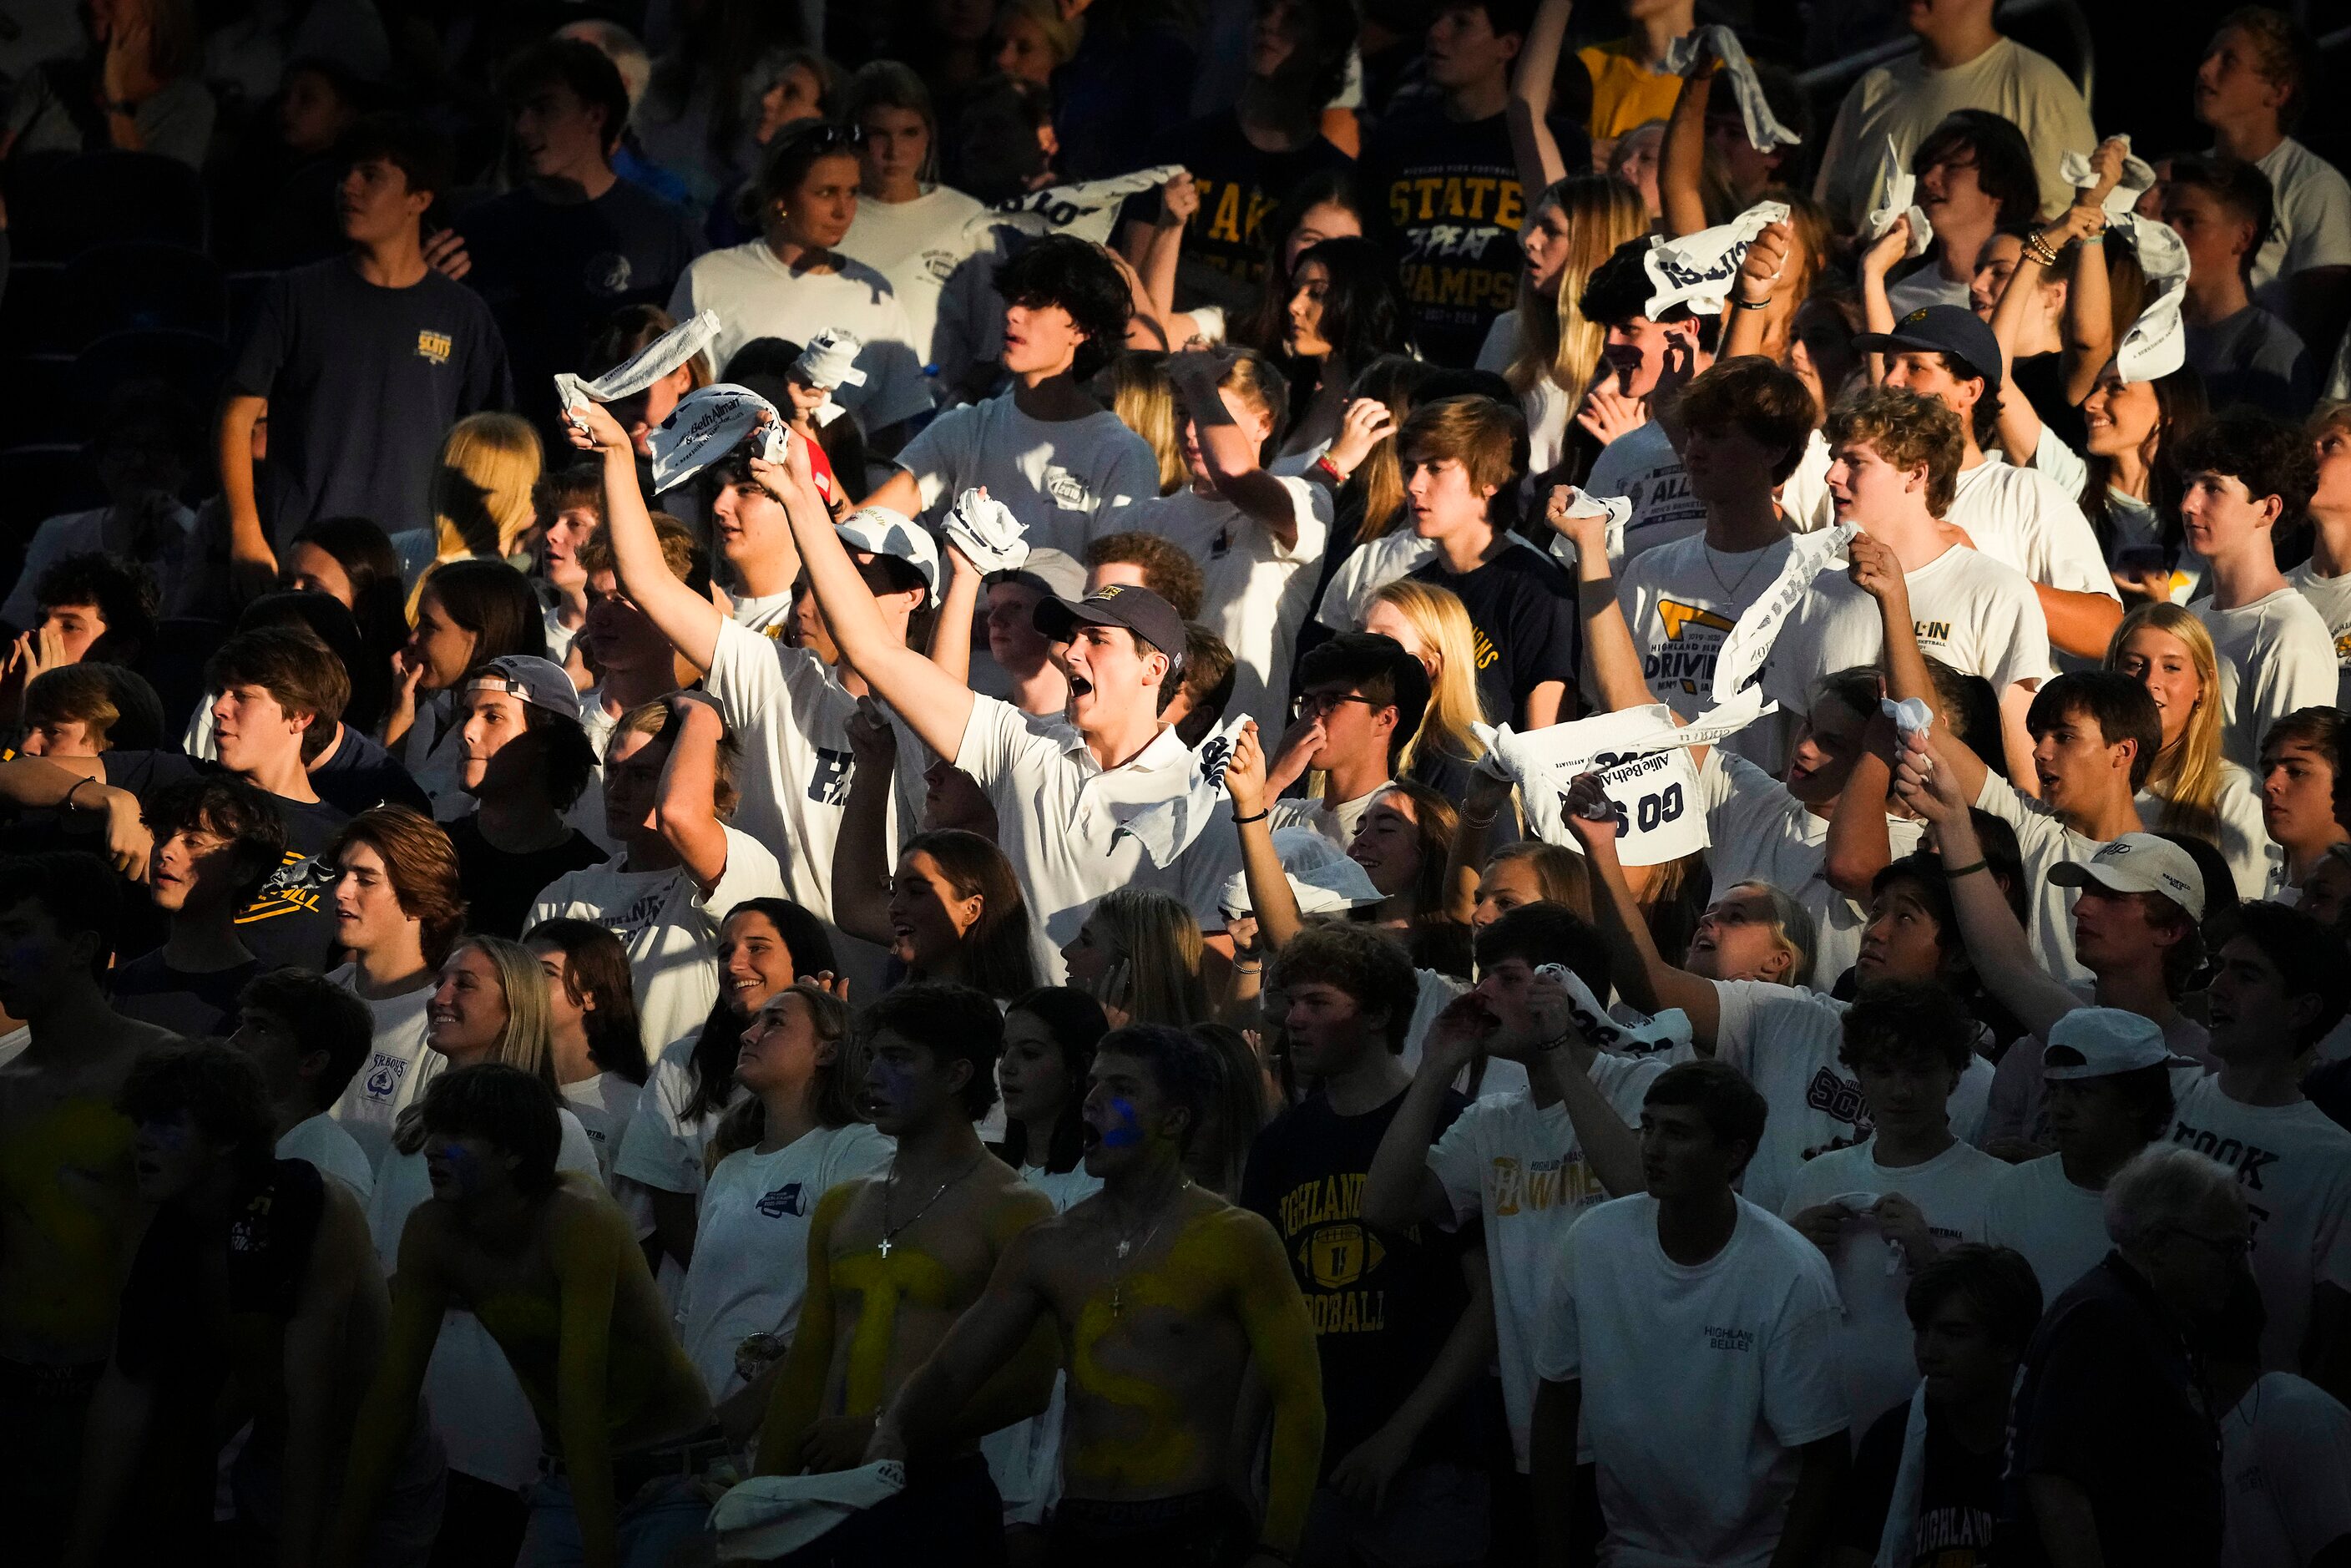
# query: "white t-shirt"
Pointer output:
{"type": "Point", "coordinates": [766, 614]}
{"type": "Point", "coordinates": [1519, 1167]}
{"type": "Point", "coordinates": [1757, 832]}
{"type": "Point", "coordinates": [1876, 1347]}
{"type": "Point", "coordinates": [756, 296]}
{"type": "Point", "coordinates": [1969, 611]}
{"type": "Point", "coordinates": [1058, 816]}
{"type": "Point", "coordinates": [1680, 600]}
{"type": "Point", "coordinates": [2061, 1228]}
{"type": "Point", "coordinates": [398, 1067]}
{"type": "Point", "coordinates": [2294, 1166]}
{"type": "Point", "coordinates": [1548, 406]}
{"type": "Point", "coordinates": [1642, 466]}
{"type": "Point", "coordinates": [2245, 842]}
{"type": "Point", "coordinates": [2022, 518]}
{"type": "Point", "coordinates": [321, 1140]}
{"type": "Point", "coordinates": [1907, 98]}
{"type": "Point", "coordinates": [662, 1147]}
{"type": "Point", "coordinates": [1370, 567]}
{"type": "Point", "coordinates": [1743, 1346]}
{"type": "Point", "coordinates": [2276, 655]}
{"type": "Point", "coordinates": [1058, 477]}
{"type": "Point", "coordinates": [1786, 1039]}
{"type": "Point", "coordinates": [2043, 842]}
{"type": "Point", "coordinates": [666, 923]}
{"type": "Point", "coordinates": [2312, 225]}
{"type": "Point", "coordinates": [750, 1246]}
{"type": "Point", "coordinates": [604, 1105]}
{"type": "Point", "coordinates": [1254, 591]}
{"type": "Point", "coordinates": [2285, 1464]}
{"type": "Point", "coordinates": [917, 246]}
{"type": "Point", "coordinates": [1923, 285]}
{"type": "Point", "coordinates": [1337, 823]}
{"type": "Point", "coordinates": [2331, 597]}
{"type": "Point", "coordinates": [480, 1413]}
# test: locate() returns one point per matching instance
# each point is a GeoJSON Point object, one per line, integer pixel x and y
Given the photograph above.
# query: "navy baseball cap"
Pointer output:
{"type": "Point", "coordinates": [1952, 330]}
{"type": "Point", "coordinates": [1149, 617]}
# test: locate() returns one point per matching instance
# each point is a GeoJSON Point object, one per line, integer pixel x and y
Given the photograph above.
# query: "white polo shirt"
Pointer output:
{"type": "Point", "coordinates": [1058, 812]}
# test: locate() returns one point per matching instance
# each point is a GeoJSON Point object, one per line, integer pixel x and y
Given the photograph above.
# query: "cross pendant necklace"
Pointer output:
{"type": "Point", "coordinates": [890, 1185]}
{"type": "Point", "coordinates": [1126, 1245]}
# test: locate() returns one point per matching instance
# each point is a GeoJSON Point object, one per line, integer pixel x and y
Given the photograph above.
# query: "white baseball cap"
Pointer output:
{"type": "Point", "coordinates": [878, 531]}
{"type": "Point", "coordinates": [2139, 863]}
{"type": "Point", "coordinates": [541, 683]}
{"type": "Point", "coordinates": [2106, 1039]}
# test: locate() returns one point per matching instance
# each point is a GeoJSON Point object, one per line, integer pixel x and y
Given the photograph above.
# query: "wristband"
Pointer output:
{"type": "Point", "coordinates": [2038, 249]}
{"type": "Point", "coordinates": [1552, 1044]}
{"type": "Point", "coordinates": [1245, 821]}
{"type": "Point", "coordinates": [1953, 872]}
{"type": "Point", "coordinates": [1331, 468]}
{"type": "Point", "coordinates": [67, 801]}
{"type": "Point", "coordinates": [1762, 304]}
{"type": "Point", "coordinates": [2098, 238]}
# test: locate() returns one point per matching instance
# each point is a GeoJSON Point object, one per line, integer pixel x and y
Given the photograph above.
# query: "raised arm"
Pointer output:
{"type": "Point", "coordinates": [79, 784]}
{"type": "Point", "coordinates": [686, 808]}
{"type": "Point", "coordinates": [1876, 310]}
{"type": "Point", "coordinates": [1642, 974]}
{"type": "Point", "coordinates": [951, 628]}
{"type": "Point", "coordinates": [1400, 1191]}
{"type": "Point", "coordinates": [587, 1277]}
{"type": "Point", "coordinates": [1607, 641]}
{"type": "Point", "coordinates": [936, 705]}
{"type": "Point", "coordinates": [1610, 1148]}
{"type": "Point", "coordinates": [1465, 861]}
{"type": "Point", "coordinates": [1681, 162]}
{"type": "Point", "coordinates": [253, 565]}
{"type": "Point", "coordinates": [861, 854]}
{"type": "Point", "coordinates": [1271, 898]}
{"type": "Point", "coordinates": [2020, 422]}
{"type": "Point", "coordinates": [1752, 298]}
{"type": "Point", "coordinates": [1997, 946]}
{"type": "Point", "coordinates": [1281, 1346]}
{"type": "Point", "coordinates": [689, 621]}
{"type": "Point", "coordinates": [1859, 844]}
{"type": "Point", "coordinates": [1532, 146]}
{"type": "Point", "coordinates": [419, 1295]}
{"type": "Point", "coordinates": [799, 1386]}
{"type": "Point", "coordinates": [1231, 456]}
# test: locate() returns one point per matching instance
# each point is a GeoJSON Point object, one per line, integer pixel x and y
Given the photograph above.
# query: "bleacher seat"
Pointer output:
{"type": "Point", "coordinates": [143, 286]}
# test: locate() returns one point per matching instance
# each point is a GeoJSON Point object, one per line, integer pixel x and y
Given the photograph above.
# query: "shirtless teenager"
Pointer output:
{"type": "Point", "coordinates": [1162, 1293]}
{"type": "Point", "coordinates": [66, 1198]}
{"type": "Point", "coordinates": [894, 1259]}
{"type": "Point", "coordinates": [551, 1267]}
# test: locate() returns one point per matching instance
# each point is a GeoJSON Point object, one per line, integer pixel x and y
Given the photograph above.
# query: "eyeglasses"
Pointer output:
{"type": "Point", "coordinates": [1314, 704]}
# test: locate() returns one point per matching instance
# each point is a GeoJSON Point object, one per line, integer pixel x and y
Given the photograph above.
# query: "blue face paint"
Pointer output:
{"type": "Point", "coordinates": [1126, 1132]}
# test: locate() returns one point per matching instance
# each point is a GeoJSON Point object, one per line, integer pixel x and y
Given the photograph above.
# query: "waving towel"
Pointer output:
{"type": "Point", "coordinates": [986, 531]}
{"type": "Point", "coordinates": [1698, 270]}
{"type": "Point", "coordinates": [1764, 131]}
{"type": "Point", "coordinates": [709, 423]}
{"type": "Point", "coordinates": [648, 365]}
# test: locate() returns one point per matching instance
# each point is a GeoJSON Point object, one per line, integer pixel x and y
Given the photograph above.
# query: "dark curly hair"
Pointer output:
{"type": "Point", "coordinates": [1064, 270]}
{"type": "Point", "coordinates": [2266, 454]}
{"type": "Point", "coordinates": [122, 591]}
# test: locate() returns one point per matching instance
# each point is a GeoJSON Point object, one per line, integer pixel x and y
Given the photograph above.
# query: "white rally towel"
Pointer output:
{"type": "Point", "coordinates": [986, 531]}
{"type": "Point", "coordinates": [1910, 715]}
{"type": "Point", "coordinates": [1167, 828]}
{"type": "Point", "coordinates": [2139, 175]}
{"type": "Point", "coordinates": [648, 365]}
{"type": "Point", "coordinates": [1667, 1032]}
{"type": "Point", "coordinates": [1898, 187]}
{"type": "Point", "coordinates": [1698, 270]}
{"type": "Point", "coordinates": [829, 360]}
{"type": "Point", "coordinates": [1580, 503]}
{"type": "Point", "coordinates": [1087, 209]}
{"type": "Point", "coordinates": [1320, 876]}
{"type": "Point", "coordinates": [1749, 641]}
{"type": "Point", "coordinates": [1764, 131]}
{"type": "Point", "coordinates": [768, 1516]}
{"type": "Point", "coordinates": [2157, 343]}
{"type": "Point", "coordinates": [708, 424]}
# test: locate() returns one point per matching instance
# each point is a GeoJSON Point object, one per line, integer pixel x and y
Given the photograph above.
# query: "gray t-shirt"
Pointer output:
{"type": "Point", "coordinates": [51, 111]}
{"type": "Point", "coordinates": [2254, 358]}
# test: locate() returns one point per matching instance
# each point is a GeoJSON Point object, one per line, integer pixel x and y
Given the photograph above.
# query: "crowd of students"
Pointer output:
{"type": "Point", "coordinates": [1268, 784]}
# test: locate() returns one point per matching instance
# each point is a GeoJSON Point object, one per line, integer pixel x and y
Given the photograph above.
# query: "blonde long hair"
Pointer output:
{"type": "Point", "coordinates": [2188, 773]}
{"type": "Point", "coordinates": [482, 486]}
{"type": "Point", "coordinates": [526, 1041]}
{"type": "Point", "coordinates": [1159, 941]}
{"type": "Point", "coordinates": [1442, 622]}
{"type": "Point", "coordinates": [1554, 339]}
{"type": "Point", "coordinates": [1144, 401]}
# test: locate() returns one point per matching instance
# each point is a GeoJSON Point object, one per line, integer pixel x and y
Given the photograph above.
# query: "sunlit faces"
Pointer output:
{"type": "Point", "coordinates": [2121, 417]}
{"type": "Point", "coordinates": [58, 737]}
{"type": "Point", "coordinates": [1026, 54]}
{"type": "Point", "coordinates": [2165, 666]}
{"type": "Point", "coordinates": [1958, 1360]}
{"type": "Point", "coordinates": [2078, 767]}
{"type": "Point", "coordinates": [2332, 498]}
{"type": "Point", "coordinates": [897, 143]}
{"type": "Point", "coordinates": [2113, 930]}
{"type": "Point", "coordinates": [2221, 519]}
{"type": "Point", "coordinates": [1906, 1089]}
{"type": "Point", "coordinates": [1353, 725]}
{"type": "Point", "coordinates": [1329, 1030]}
{"type": "Point", "coordinates": [1827, 745]}
{"type": "Point", "coordinates": [1951, 193]}
{"type": "Point", "coordinates": [620, 638]}
{"type": "Point", "coordinates": [1310, 284]}
{"type": "Point", "coordinates": [1680, 1156]}
{"type": "Point", "coordinates": [2229, 82]}
{"type": "Point", "coordinates": [1636, 349]}
{"type": "Point", "coordinates": [170, 1156]}
{"type": "Point", "coordinates": [1724, 462]}
{"type": "Point", "coordinates": [632, 770]}
{"type": "Point", "coordinates": [436, 643]}
{"type": "Point", "coordinates": [1632, 163]}
{"type": "Point", "coordinates": [1995, 265]}
{"type": "Point", "coordinates": [566, 1005]}
{"type": "Point", "coordinates": [556, 133]}
{"type": "Point", "coordinates": [1128, 1118]}
{"type": "Point", "coordinates": [1545, 237]}
{"type": "Point", "coordinates": [1866, 488]}
{"type": "Point", "coordinates": [907, 1083]}
{"type": "Point", "coordinates": [558, 547]}
{"type": "Point", "coordinates": [1323, 220]}
{"type": "Point", "coordinates": [780, 1048]}
{"type": "Point", "coordinates": [1108, 671]}
{"type": "Point", "coordinates": [1929, 375]}
{"type": "Point", "coordinates": [1041, 339]}
{"type": "Point", "coordinates": [314, 571]}
{"type": "Point", "coordinates": [368, 915]}
{"type": "Point", "coordinates": [1253, 421]}
{"type": "Point", "coordinates": [1738, 938]}
{"type": "Point", "coordinates": [193, 865]}
{"type": "Point", "coordinates": [2298, 794]}
{"type": "Point", "coordinates": [1032, 1074]}
{"type": "Point", "coordinates": [2214, 234]}
{"type": "Point", "coordinates": [251, 731]}
{"type": "Point", "coordinates": [1463, 49]}
{"type": "Point", "coordinates": [1902, 941]}
{"type": "Point", "coordinates": [468, 1010]}
{"type": "Point", "coordinates": [754, 962]}
{"type": "Point", "coordinates": [820, 209]}
{"type": "Point", "coordinates": [75, 626]}
{"type": "Point", "coordinates": [1012, 635]}
{"type": "Point", "coordinates": [374, 205]}
{"type": "Point", "coordinates": [1442, 497]}
{"type": "Point", "coordinates": [1390, 621]}
{"type": "Point", "coordinates": [1089, 955]}
{"type": "Point", "coordinates": [488, 722]}
{"type": "Point", "coordinates": [747, 524]}
{"type": "Point", "coordinates": [928, 916]}
{"type": "Point", "coordinates": [1387, 842]}
{"type": "Point", "coordinates": [1508, 882]}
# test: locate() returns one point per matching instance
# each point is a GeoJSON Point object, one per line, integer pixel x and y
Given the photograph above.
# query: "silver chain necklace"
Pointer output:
{"type": "Point", "coordinates": [1128, 1244]}
{"type": "Point", "coordinates": [890, 1185]}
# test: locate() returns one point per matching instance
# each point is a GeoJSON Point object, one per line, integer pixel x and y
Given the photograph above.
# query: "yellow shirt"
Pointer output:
{"type": "Point", "coordinates": [1625, 93]}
